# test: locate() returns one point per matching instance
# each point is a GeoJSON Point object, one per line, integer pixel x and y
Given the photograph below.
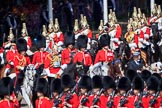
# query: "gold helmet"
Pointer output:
{"type": "Point", "coordinates": [110, 15]}
{"type": "Point", "coordinates": [11, 35]}
{"type": "Point", "coordinates": [154, 11]}
{"type": "Point", "coordinates": [76, 25]}
{"type": "Point", "coordinates": [24, 29]}
{"type": "Point", "coordinates": [81, 19]}
{"type": "Point", "coordinates": [100, 28]}
{"type": "Point", "coordinates": [44, 32]}
{"type": "Point", "coordinates": [129, 26]}
{"type": "Point", "coordinates": [139, 15]}
{"type": "Point", "coordinates": [134, 24]}
{"type": "Point", "coordinates": [85, 23]}
{"type": "Point", "coordinates": [111, 23]}
{"type": "Point", "coordinates": [159, 10]}
{"type": "Point", "coordinates": [56, 25]}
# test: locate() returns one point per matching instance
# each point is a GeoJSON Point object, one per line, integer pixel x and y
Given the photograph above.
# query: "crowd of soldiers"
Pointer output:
{"type": "Point", "coordinates": [57, 52]}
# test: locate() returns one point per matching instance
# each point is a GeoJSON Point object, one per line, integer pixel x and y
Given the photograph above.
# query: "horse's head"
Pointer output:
{"type": "Point", "coordinates": [30, 71]}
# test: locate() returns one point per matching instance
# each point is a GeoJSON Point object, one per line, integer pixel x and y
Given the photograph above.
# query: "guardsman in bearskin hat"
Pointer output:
{"type": "Point", "coordinates": [137, 86]}
{"type": "Point", "coordinates": [21, 60]}
{"type": "Point", "coordinates": [82, 56]}
{"type": "Point", "coordinates": [56, 92]}
{"type": "Point", "coordinates": [94, 98]}
{"type": "Point", "coordinates": [40, 54]}
{"type": "Point", "coordinates": [85, 91]}
{"type": "Point", "coordinates": [24, 34]}
{"type": "Point", "coordinates": [8, 99]}
{"type": "Point", "coordinates": [52, 63]}
{"type": "Point", "coordinates": [110, 90]}
{"type": "Point", "coordinates": [69, 52]}
{"type": "Point", "coordinates": [69, 99]}
{"type": "Point", "coordinates": [153, 88]}
{"type": "Point", "coordinates": [124, 86]}
{"type": "Point", "coordinates": [10, 54]}
{"type": "Point", "coordinates": [42, 93]}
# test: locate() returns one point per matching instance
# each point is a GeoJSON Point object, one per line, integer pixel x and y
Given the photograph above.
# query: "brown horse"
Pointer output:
{"type": "Point", "coordinates": [2, 71]}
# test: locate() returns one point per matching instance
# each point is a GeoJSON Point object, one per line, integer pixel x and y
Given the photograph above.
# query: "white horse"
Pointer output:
{"type": "Point", "coordinates": [28, 83]}
{"type": "Point", "coordinates": [99, 69]}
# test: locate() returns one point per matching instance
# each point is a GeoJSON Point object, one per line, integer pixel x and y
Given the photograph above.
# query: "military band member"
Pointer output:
{"type": "Point", "coordinates": [40, 55]}
{"type": "Point", "coordinates": [110, 89]}
{"type": "Point", "coordinates": [42, 93]}
{"type": "Point", "coordinates": [82, 56]}
{"type": "Point", "coordinates": [68, 100]}
{"type": "Point", "coordinates": [85, 91]}
{"type": "Point", "coordinates": [8, 99]}
{"type": "Point", "coordinates": [96, 88]}
{"type": "Point", "coordinates": [56, 92]}
{"type": "Point", "coordinates": [21, 60]}
{"type": "Point", "coordinates": [52, 63]}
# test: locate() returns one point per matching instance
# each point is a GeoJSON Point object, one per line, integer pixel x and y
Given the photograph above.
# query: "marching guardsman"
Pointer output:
{"type": "Point", "coordinates": [24, 34]}
{"type": "Point", "coordinates": [138, 86]}
{"type": "Point", "coordinates": [105, 54]}
{"type": "Point", "coordinates": [76, 29]}
{"type": "Point", "coordinates": [10, 38]}
{"type": "Point", "coordinates": [85, 91]}
{"type": "Point", "coordinates": [107, 98]}
{"type": "Point", "coordinates": [58, 35]}
{"type": "Point", "coordinates": [42, 93]}
{"type": "Point", "coordinates": [21, 60]}
{"type": "Point", "coordinates": [8, 100]}
{"type": "Point", "coordinates": [82, 56]}
{"type": "Point", "coordinates": [39, 56]}
{"type": "Point", "coordinates": [52, 63]}
{"type": "Point", "coordinates": [122, 98]}
{"type": "Point", "coordinates": [56, 92]}
{"type": "Point", "coordinates": [94, 98]}
{"type": "Point", "coordinates": [153, 90]}
{"type": "Point", "coordinates": [69, 52]}
{"type": "Point", "coordinates": [69, 99]}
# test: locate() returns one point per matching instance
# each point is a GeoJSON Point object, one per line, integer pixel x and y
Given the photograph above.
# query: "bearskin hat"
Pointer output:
{"type": "Point", "coordinates": [124, 84]}
{"type": "Point", "coordinates": [96, 81]}
{"type": "Point", "coordinates": [42, 86]}
{"type": "Point", "coordinates": [157, 75]}
{"type": "Point", "coordinates": [85, 82]}
{"type": "Point", "coordinates": [138, 83]}
{"type": "Point", "coordinates": [41, 42]}
{"type": "Point", "coordinates": [104, 40]}
{"type": "Point", "coordinates": [21, 45]}
{"type": "Point", "coordinates": [69, 39]}
{"type": "Point", "coordinates": [108, 82]}
{"type": "Point", "coordinates": [145, 74]}
{"type": "Point", "coordinates": [6, 86]}
{"type": "Point", "coordinates": [82, 41]}
{"type": "Point", "coordinates": [56, 85]}
{"type": "Point", "coordinates": [131, 74]}
{"type": "Point", "coordinates": [67, 81]}
{"type": "Point", "coordinates": [153, 83]}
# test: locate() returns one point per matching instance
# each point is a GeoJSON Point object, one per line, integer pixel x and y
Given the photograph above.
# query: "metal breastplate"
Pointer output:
{"type": "Point", "coordinates": [56, 63]}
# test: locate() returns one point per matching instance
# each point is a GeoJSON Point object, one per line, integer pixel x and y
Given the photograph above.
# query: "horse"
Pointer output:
{"type": "Point", "coordinates": [124, 54]}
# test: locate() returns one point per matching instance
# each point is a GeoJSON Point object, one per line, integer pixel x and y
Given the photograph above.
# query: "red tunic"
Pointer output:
{"type": "Point", "coordinates": [48, 63]}
{"type": "Point", "coordinates": [74, 101]}
{"type": "Point", "coordinates": [21, 61]}
{"type": "Point", "coordinates": [59, 36]}
{"type": "Point", "coordinates": [83, 56]}
{"type": "Point", "coordinates": [89, 34]}
{"type": "Point", "coordinates": [127, 104]}
{"type": "Point", "coordinates": [43, 103]}
{"type": "Point", "coordinates": [39, 58]}
{"type": "Point", "coordinates": [14, 102]}
{"type": "Point", "coordinates": [59, 105]}
{"type": "Point", "coordinates": [10, 57]}
{"type": "Point", "coordinates": [91, 98]}
{"type": "Point", "coordinates": [28, 40]}
{"type": "Point", "coordinates": [66, 55]}
{"type": "Point", "coordinates": [104, 100]}
{"type": "Point", "coordinates": [5, 104]}
{"type": "Point", "coordinates": [103, 56]}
